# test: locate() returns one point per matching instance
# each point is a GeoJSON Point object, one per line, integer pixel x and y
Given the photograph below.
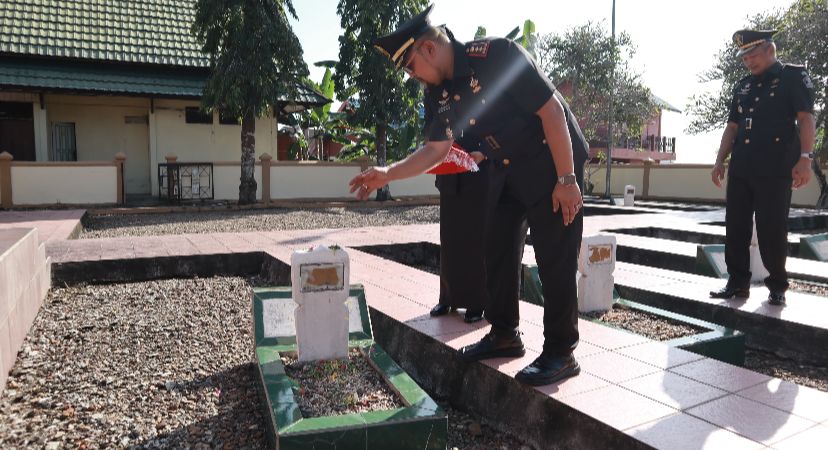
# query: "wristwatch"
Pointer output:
{"type": "Point", "coordinates": [568, 179]}
{"type": "Point", "coordinates": [809, 155]}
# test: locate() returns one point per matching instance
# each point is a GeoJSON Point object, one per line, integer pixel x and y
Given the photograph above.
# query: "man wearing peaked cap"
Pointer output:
{"type": "Point", "coordinates": [770, 139]}
{"type": "Point", "coordinates": [395, 45]}
{"type": "Point", "coordinates": [489, 96]}
{"type": "Point", "coordinates": [749, 40]}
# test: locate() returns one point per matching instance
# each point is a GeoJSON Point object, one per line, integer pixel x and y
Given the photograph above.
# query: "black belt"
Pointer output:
{"type": "Point", "coordinates": [516, 138]}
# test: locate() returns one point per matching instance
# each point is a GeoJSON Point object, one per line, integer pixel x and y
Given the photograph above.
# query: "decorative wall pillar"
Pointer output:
{"type": "Point", "coordinates": [266, 158]}
{"type": "Point", "coordinates": [5, 180]}
{"type": "Point", "coordinates": [120, 159]}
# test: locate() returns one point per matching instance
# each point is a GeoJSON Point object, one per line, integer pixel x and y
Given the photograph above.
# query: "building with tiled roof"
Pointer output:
{"type": "Point", "coordinates": [85, 79]}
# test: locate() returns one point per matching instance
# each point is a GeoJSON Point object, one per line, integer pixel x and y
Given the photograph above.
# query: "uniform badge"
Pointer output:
{"type": "Point", "coordinates": [474, 84]}
{"type": "Point", "coordinates": [449, 133]}
{"type": "Point", "coordinates": [477, 49]}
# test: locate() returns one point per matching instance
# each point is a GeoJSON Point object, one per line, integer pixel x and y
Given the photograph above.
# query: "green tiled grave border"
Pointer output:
{"type": "Point", "coordinates": [722, 343]}
{"type": "Point", "coordinates": [706, 264]}
{"type": "Point", "coordinates": [807, 247]}
{"type": "Point", "coordinates": [420, 424]}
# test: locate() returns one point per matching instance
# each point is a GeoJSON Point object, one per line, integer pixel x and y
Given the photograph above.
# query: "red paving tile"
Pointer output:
{"type": "Point", "coordinates": [750, 419]}
{"type": "Point", "coordinates": [573, 386]}
{"type": "Point", "coordinates": [51, 225]}
{"type": "Point", "coordinates": [659, 354]}
{"type": "Point", "coordinates": [615, 368]}
{"type": "Point", "coordinates": [618, 407]}
{"type": "Point", "coordinates": [606, 337]}
{"type": "Point", "coordinates": [684, 432]}
{"type": "Point", "coordinates": [800, 400]}
{"type": "Point", "coordinates": [511, 366]}
{"type": "Point", "coordinates": [814, 437]}
{"type": "Point", "coordinates": [721, 375]}
{"type": "Point", "coordinates": [673, 390]}
{"type": "Point", "coordinates": [436, 326]}
{"type": "Point", "coordinates": [459, 339]}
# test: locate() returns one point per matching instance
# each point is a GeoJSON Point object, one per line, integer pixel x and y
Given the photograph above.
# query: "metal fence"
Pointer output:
{"type": "Point", "coordinates": [185, 181]}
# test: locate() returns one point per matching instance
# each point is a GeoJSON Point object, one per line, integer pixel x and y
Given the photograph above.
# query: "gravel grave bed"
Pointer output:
{"type": "Point", "coordinates": [160, 364]}
{"type": "Point", "coordinates": [254, 220]}
{"type": "Point", "coordinates": [466, 432]}
{"type": "Point", "coordinates": [336, 387]}
{"type": "Point", "coordinates": [787, 369]}
{"type": "Point", "coordinates": [809, 287]}
{"type": "Point", "coordinates": [142, 365]}
{"type": "Point", "coordinates": [643, 323]}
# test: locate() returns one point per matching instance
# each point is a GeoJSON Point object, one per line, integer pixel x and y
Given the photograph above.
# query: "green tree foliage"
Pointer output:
{"type": "Point", "coordinates": [384, 97]}
{"type": "Point", "coordinates": [710, 109]}
{"type": "Point", "coordinates": [802, 39]}
{"type": "Point", "coordinates": [254, 55]}
{"type": "Point", "coordinates": [585, 56]}
{"type": "Point", "coordinates": [319, 118]}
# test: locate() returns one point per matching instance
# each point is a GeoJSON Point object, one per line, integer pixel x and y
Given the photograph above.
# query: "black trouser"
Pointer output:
{"type": "Point", "coordinates": [463, 212]}
{"type": "Point", "coordinates": [556, 251]}
{"type": "Point", "coordinates": [770, 199]}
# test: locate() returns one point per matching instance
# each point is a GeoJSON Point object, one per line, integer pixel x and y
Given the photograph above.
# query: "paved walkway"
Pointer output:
{"type": "Point", "coordinates": [665, 397]}
{"type": "Point", "coordinates": [51, 225]}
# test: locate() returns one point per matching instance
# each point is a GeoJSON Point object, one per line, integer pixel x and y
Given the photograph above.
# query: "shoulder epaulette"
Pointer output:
{"type": "Point", "coordinates": [478, 48]}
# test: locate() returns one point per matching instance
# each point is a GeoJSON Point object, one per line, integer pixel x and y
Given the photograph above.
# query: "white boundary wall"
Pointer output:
{"type": "Point", "coordinates": [682, 182]}
{"type": "Point", "coordinates": [72, 183]}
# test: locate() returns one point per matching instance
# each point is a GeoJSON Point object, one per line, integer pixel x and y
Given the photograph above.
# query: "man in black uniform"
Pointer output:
{"type": "Point", "coordinates": [491, 97]}
{"type": "Point", "coordinates": [770, 138]}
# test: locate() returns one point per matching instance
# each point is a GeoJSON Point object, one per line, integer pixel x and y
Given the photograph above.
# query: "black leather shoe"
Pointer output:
{"type": "Point", "coordinates": [548, 369]}
{"type": "Point", "coordinates": [440, 310]}
{"type": "Point", "coordinates": [494, 346]}
{"type": "Point", "coordinates": [776, 298]}
{"type": "Point", "coordinates": [730, 292]}
{"type": "Point", "coordinates": [473, 315]}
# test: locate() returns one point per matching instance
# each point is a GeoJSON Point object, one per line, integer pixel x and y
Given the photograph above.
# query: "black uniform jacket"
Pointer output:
{"type": "Point", "coordinates": [490, 106]}
{"type": "Point", "coordinates": [765, 108]}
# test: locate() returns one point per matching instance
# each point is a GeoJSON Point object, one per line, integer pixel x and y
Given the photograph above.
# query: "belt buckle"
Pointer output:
{"type": "Point", "coordinates": [492, 142]}
{"type": "Point", "coordinates": [748, 123]}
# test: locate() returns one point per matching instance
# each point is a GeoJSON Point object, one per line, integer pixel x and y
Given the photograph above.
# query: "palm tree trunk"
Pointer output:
{"type": "Point", "coordinates": [247, 188]}
{"type": "Point", "coordinates": [383, 193]}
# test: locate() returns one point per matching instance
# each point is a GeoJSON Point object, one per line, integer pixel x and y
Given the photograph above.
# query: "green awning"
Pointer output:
{"type": "Point", "coordinates": [101, 78]}
{"type": "Point", "coordinates": [107, 79]}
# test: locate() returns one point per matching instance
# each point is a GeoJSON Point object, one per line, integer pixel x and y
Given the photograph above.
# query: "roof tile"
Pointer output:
{"type": "Point", "coordinates": [128, 31]}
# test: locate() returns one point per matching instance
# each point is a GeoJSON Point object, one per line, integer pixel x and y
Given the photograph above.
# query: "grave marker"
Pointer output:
{"type": "Point", "coordinates": [596, 265]}
{"type": "Point", "coordinates": [320, 289]}
{"type": "Point", "coordinates": [629, 195]}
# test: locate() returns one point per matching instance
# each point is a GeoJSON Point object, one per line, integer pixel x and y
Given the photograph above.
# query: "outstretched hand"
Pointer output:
{"type": "Point", "coordinates": [569, 200]}
{"type": "Point", "coordinates": [369, 181]}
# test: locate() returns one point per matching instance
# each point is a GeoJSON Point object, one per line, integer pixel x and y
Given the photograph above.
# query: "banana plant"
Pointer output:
{"type": "Point", "coordinates": [527, 37]}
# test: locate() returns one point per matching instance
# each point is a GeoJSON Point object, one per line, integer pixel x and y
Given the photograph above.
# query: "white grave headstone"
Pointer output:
{"type": "Point", "coordinates": [320, 280]}
{"type": "Point", "coordinates": [596, 265]}
{"type": "Point", "coordinates": [629, 195]}
{"type": "Point", "coordinates": [758, 272]}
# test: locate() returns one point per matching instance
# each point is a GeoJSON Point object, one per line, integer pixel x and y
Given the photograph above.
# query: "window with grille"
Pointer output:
{"type": "Point", "coordinates": [193, 114]}
{"type": "Point", "coordinates": [63, 145]}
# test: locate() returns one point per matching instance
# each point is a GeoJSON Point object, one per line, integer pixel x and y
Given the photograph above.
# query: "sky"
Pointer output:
{"type": "Point", "coordinates": [675, 41]}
